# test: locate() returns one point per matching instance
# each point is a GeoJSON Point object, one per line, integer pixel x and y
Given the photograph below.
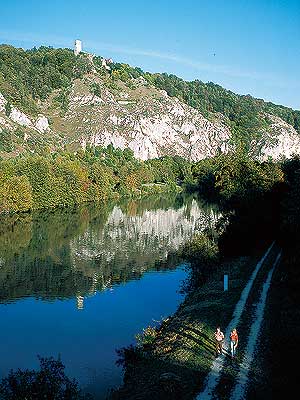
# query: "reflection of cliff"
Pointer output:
{"type": "Point", "coordinates": [67, 253]}
{"type": "Point", "coordinates": [140, 239]}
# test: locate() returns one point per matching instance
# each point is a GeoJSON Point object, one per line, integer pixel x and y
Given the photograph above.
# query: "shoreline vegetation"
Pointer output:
{"type": "Point", "coordinates": [63, 179]}
{"type": "Point", "coordinates": [260, 202]}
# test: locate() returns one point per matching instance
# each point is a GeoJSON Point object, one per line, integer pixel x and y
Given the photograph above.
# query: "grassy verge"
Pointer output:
{"type": "Point", "coordinates": [231, 367]}
{"type": "Point", "coordinates": [175, 365]}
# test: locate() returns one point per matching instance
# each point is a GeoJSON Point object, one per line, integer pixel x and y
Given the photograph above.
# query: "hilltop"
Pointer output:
{"type": "Point", "coordinates": [52, 98]}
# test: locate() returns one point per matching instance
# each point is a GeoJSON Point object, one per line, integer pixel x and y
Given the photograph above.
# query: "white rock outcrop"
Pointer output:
{"type": "Point", "coordinates": [283, 141]}
{"type": "Point", "coordinates": [3, 102]}
{"type": "Point", "coordinates": [42, 124]}
{"type": "Point", "coordinates": [147, 121]}
{"type": "Point", "coordinates": [20, 118]}
{"type": "Point", "coordinates": [16, 116]}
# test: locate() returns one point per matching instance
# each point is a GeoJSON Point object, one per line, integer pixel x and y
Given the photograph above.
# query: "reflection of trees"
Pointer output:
{"type": "Point", "coordinates": [65, 253]}
{"type": "Point", "coordinates": [15, 234]}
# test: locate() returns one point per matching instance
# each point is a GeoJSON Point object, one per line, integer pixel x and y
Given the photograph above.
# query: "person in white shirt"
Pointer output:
{"type": "Point", "coordinates": [219, 337]}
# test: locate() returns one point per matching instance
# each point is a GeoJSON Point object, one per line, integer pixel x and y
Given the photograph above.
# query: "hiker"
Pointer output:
{"type": "Point", "coordinates": [219, 336]}
{"type": "Point", "coordinates": [234, 340]}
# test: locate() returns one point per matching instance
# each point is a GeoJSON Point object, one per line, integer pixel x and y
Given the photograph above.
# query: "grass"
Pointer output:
{"type": "Point", "coordinates": [184, 345]}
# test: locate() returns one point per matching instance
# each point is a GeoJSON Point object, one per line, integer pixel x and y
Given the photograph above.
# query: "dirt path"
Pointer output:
{"type": "Point", "coordinates": [241, 379]}
{"type": "Point", "coordinates": [181, 361]}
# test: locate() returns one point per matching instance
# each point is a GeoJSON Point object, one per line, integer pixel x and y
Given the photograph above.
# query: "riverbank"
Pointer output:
{"type": "Point", "coordinates": [176, 364]}
{"type": "Point", "coordinates": [47, 180]}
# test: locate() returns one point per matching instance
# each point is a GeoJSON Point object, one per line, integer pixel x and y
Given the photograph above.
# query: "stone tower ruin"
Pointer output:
{"type": "Point", "coordinates": [77, 47]}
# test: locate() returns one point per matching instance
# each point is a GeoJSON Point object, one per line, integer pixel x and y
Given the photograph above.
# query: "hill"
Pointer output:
{"type": "Point", "coordinates": [50, 97]}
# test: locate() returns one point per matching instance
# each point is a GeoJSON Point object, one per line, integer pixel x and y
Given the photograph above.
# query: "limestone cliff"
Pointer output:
{"type": "Point", "coordinates": [135, 115]}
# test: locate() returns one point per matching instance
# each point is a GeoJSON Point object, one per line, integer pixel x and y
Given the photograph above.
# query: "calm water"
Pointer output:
{"type": "Point", "coordinates": [81, 283]}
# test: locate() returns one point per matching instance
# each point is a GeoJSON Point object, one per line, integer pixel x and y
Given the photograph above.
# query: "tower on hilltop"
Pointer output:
{"type": "Point", "coordinates": [77, 47]}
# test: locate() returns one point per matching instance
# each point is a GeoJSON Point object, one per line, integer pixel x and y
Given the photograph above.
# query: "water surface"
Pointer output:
{"type": "Point", "coordinates": [80, 283]}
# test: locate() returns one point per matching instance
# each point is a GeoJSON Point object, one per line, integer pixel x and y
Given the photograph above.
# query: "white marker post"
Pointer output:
{"type": "Point", "coordinates": [225, 282]}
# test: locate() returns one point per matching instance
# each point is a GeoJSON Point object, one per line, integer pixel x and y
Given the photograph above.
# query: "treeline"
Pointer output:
{"type": "Point", "coordinates": [289, 231]}
{"type": "Point", "coordinates": [48, 382]}
{"type": "Point", "coordinates": [250, 190]}
{"type": "Point", "coordinates": [260, 201]}
{"type": "Point", "coordinates": [96, 174]}
{"type": "Point", "coordinates": [249, 194]}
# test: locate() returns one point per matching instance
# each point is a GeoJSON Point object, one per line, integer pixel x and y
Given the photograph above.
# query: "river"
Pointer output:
{"type": "Point", "coordinates": [80, 283]}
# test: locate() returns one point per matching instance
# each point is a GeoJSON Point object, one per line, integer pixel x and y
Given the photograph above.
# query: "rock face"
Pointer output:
{"type": "Point", "coordinates": [282, 141]}
{"type": "Point", "coordinates": [140, 117]}
{"type": "Point", "coordinates": [18, 117]}
{"type": "Point", "coordinates": [42, 124]}
{"type": "Point", "coordinates": [147, 121]}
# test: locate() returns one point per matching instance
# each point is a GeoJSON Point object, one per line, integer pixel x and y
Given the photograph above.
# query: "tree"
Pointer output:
{"type": "Point", "coordinates": [16, 195]}
{"type": "Point", "coordinates": [50, 383]}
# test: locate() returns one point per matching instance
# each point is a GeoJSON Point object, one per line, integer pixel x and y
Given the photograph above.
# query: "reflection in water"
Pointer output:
{"type": "Point", "coordinates": [73, 253]}
{"type": "Point", "coordinates": [116, 264]}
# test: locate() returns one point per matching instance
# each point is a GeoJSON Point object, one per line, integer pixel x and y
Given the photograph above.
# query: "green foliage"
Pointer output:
{"type": "Point", "coordinates": [290, 219]}
{"type": "Point", "coordinates": [249, 191]}
{"type": "Point", "coordinates": [66, 179]}
{"type": "Point", "coordinates": [202, 253]}
{"type": "Point", "coordinates": [201, 250]}
{"type": "Point", "coordinates": [7, 109]}
{"type": "Point", "coordinates": [234, 178]}
{"type": "Point", "coordinates": [170, 170]}
{"type": "Point", "coordinates": [26, 76]}
{"type": "Point", "coordinates": [102, 182]}
{"type": "Point", "coordinates": [15, 195]}
{"type": "Point", "coordinates": [95, 89]}
{"type": "Point", "coordinates": [6, 142]}
{"type": "Point", "coordinates": [61, 100]}
{"type": "Point", "coordinates": [50, 382]}
{"type": "Point", "coordinates": [147, 337]}
{"type": "Point", "coordinates": [125, 72]}
{"type": "Point", "coordinates": [72, 178]}
{"type": "Point", "coordinates": [245, 179]}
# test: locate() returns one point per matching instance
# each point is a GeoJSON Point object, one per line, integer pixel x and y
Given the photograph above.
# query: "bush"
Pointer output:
{"type": "Point", "coordinates": [147, 337]}
{"type": "Point", "coordinates": [50, 383]}
{"type": "Point", "coordinates": [202, 253]}
{"type": "Point", "coordinates": [15, 195]}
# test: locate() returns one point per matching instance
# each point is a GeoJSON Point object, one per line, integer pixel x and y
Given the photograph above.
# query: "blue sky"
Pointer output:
{"type": "Point", "coordinates": [245, 46]}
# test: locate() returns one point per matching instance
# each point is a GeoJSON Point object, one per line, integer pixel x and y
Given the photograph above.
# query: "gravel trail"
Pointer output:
{"type": "Point", "coordinates": [213, 377]}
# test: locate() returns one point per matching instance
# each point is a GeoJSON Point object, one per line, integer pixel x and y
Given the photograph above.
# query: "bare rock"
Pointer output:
{"type": "Point", "coordinates": [42, 124]}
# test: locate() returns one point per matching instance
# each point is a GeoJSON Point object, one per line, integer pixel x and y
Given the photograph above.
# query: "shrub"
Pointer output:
{"type": "Point", "coordinates": [147, 337]}
{"type": "Point", "coordinates": [50, 383]}
{"type": "Point", "coordinates": [16, 195]}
